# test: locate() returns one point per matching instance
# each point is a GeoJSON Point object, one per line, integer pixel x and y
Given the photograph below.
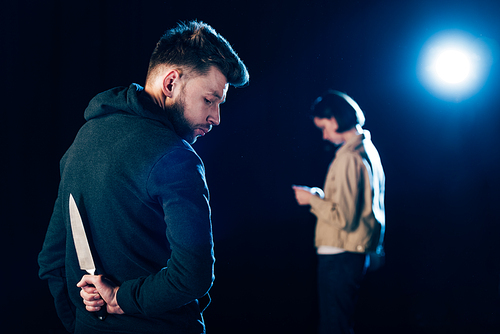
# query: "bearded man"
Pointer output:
{"type": "Point", "coordinates": [141, 191]}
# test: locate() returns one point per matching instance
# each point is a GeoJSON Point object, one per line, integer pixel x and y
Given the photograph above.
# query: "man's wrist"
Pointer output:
{"type": "Point", "coordinates": [113, 307]}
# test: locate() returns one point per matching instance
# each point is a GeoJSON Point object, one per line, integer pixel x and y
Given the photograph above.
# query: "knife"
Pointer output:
{"type": "Point", "coordinates": [82, 246]}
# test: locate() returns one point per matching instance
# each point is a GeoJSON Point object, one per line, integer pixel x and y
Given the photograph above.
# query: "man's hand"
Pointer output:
{"type": "Point", "coordinates": [97, 291]}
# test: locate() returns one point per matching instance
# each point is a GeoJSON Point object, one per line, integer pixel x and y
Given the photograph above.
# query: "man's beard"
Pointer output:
{"type": "Point", "coordinates": [179, 122]}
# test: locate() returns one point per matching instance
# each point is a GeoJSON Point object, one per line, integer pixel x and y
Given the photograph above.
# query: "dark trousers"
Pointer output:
{"type": "Point", "coordinates": [339, 279]}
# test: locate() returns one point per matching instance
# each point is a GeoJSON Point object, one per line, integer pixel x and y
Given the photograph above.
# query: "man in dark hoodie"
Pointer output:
{"type": "Point", "coordinates": [141, 191]}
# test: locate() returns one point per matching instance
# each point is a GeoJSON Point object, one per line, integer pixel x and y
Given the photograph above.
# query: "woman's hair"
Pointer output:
{"type": "Point", "coordinates": [341, 106]}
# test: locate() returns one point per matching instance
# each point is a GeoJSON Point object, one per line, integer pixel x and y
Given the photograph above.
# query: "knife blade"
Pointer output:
{"type": "Point", "coordinates": [85, 259]}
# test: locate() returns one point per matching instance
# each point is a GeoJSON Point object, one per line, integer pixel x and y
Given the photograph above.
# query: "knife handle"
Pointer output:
{"type": "Point", "coordinates": [102, 313]}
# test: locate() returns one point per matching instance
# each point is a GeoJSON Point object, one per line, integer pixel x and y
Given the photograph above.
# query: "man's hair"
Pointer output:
{"type": "Point", "coordinates": [341, 106]}
{"type": "Point", "coordinates": [195, 47]}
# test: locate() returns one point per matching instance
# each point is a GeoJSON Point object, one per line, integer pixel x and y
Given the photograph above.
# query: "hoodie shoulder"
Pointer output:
{"type": "Point", "coordinates": [131, 100]}
{"type": "Point", "coordinates": [108, 102]}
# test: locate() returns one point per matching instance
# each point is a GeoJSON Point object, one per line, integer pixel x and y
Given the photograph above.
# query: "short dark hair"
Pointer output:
{"type": "Point", "coordinates": [196, 46]}
{"type": "Point", "coordinates": [341, 106]}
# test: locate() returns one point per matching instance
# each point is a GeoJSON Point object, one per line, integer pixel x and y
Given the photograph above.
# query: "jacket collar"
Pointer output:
{"type": "Point", "coordinates": [354, 143]}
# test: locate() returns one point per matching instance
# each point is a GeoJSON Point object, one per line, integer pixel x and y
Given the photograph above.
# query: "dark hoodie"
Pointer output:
{"type": "Point", "coordinates": [143, 198]}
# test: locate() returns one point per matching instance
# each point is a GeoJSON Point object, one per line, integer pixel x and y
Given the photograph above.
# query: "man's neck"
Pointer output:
{"type": "Point", "coordinates": [158, 98]}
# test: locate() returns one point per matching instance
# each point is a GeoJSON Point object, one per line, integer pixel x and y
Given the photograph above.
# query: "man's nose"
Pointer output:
{"type": "Point", "coordinates": [214, 116]}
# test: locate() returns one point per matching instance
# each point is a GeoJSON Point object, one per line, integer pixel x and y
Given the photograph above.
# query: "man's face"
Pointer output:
{"type": "Point", "coordinates": [196, 106]}
{"type": "Point", "coordinates": [329, 128]}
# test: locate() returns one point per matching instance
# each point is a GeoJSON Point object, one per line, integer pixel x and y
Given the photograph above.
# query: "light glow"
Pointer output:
{"type": "Point", "coordinates": [453, 65]}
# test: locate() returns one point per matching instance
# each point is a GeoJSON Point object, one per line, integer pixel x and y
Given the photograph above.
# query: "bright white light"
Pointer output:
{"type": "Point", "coordinates": [453, 65]}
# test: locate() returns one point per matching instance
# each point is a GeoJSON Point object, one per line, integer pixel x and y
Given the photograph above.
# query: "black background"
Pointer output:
{"type": "Point", "coordinates": [441, 158]}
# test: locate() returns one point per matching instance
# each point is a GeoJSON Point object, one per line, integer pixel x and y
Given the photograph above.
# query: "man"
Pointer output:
{"type": "Point", "coordinates": [141, 191]}
{"type": "Point", "coordinates": [350, 212]}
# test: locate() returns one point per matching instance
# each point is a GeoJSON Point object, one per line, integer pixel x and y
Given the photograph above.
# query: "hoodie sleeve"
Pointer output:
{"type": "Point", "coordinates": [52, 267]}
{"type": "Point", "coordinates": [178, 183]}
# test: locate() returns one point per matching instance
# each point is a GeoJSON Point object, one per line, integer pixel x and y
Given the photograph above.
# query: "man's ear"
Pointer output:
{"type": "Point", "coordinates": [170, 82]}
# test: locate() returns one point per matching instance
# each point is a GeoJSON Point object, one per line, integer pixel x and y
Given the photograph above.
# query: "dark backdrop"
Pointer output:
{"type": "Point", "coordinates": [441, 158]}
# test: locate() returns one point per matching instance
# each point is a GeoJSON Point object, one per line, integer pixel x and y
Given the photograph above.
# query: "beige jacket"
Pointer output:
{"type": "Point", "coordinates": [352, 214]}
